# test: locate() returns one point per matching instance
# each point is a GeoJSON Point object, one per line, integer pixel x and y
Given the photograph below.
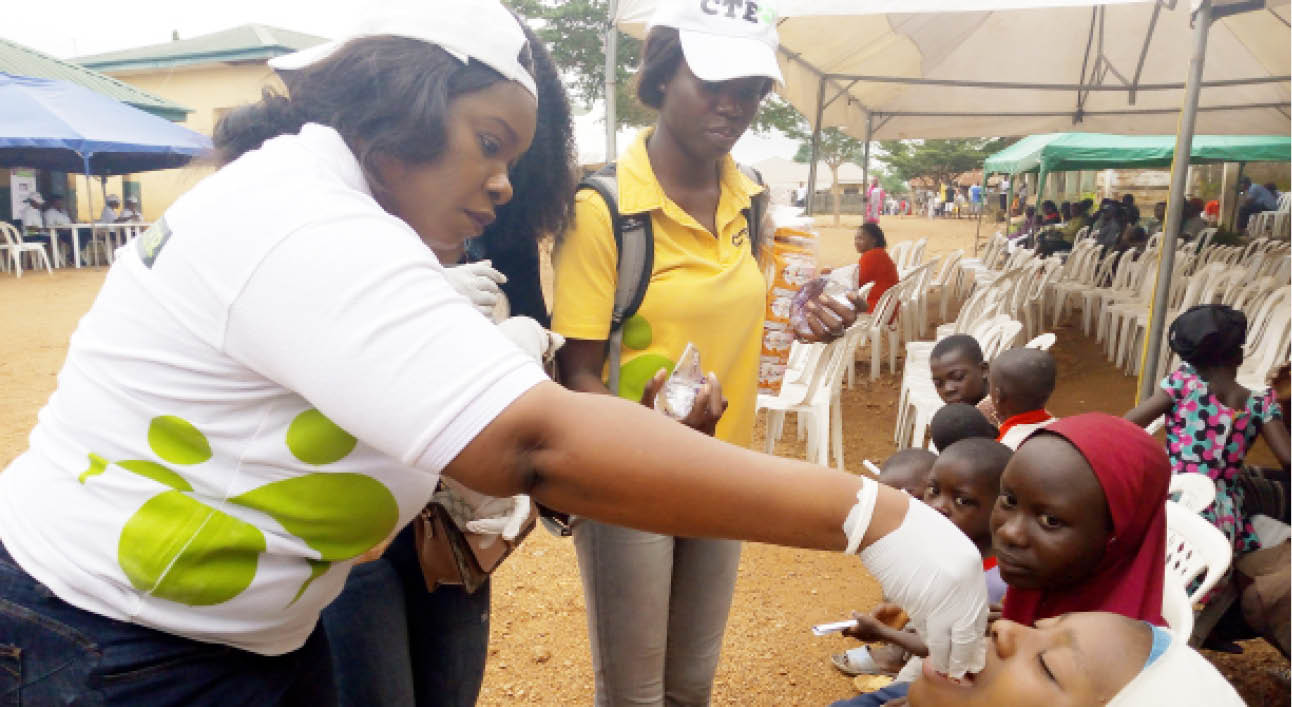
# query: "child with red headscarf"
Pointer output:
{"type": "Point", "coordinates": [1080, 523]}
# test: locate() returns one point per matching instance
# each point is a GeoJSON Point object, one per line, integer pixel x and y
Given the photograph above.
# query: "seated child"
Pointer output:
{"type": "Point", "coordinates": [1080, 523]}
{"type": "Point", "coordinates": [907, 470]}
{"type": "Point", "coordinates": [963, 486]}
{"type": "Point", "coordinates": [1021, 383]}
{"type": "Point", "coordinates": [1087, 658]}
{"type": "Point", "coordinates": [958, 370]}
{"type": "Point", "coordinates": [958, 421]}
{"type": "Point", "coordinates": [1211, 420]}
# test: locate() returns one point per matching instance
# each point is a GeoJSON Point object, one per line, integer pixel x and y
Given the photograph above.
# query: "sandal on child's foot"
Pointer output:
{"type": "Point", "coordinates": [856, 662]}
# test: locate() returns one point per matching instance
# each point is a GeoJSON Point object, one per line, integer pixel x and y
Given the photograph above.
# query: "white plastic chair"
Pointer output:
{"type": "Point", "coordinates": [1042, 342]}
{"type": "Point", "coordinates": [1194, 548]}
{"type": "Point", "coordinates": [812, 401]}
{"type": "Point", "coordinates": [1196, 491]}
{"type": "Point", "coordinates": [1176, 608]}
{"type": "Point", "coordinates": [16, 249]}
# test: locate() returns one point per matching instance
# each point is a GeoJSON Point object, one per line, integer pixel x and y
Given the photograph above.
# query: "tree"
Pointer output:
{"type": "Point", "coordinates": [575, 30]}
{"type": "Point", "coordinates": [938, 161]}
{"type": "Point", "coordinates": [835, 148]}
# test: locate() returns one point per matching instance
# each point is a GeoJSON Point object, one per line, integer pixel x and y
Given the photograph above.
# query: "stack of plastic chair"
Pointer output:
{"type": "Point", "coordinates": [1120, 310]}
{"type": "Point", "coordinates": [1194, 292]}
{"type": "Point", "coordinates": [811, 400]}
{"type": "Point", "coordinates": [876, 326]}
{"type": "Point", "coordinates": [1033, 305]}
{"type": "Point", "coordinates": [1111, 275]}
{"type": "Point", "coordinates": [912, 257]}
{"type": "Point", "coordinates": [11, 244]}
{"type": "Point", "coordinates": [913, 308]}
{"type": "Point", "coordinates": [1270, 224]}
{"type": "Point", "coordinates": [1079, 277]}
{"type": "Point", "coordinates": [1269, 326]}
{"type": "Point", "coordinates": [899, 253]}
{"type": "Point", "coordinates": [944, 285]}
{"type": "Point", "coordinates": [969, 267]}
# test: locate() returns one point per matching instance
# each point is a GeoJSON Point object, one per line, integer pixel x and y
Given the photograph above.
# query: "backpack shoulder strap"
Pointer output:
{"type": "Point", "coordinates": [757, 207]}
{"type": "Point", "coordinates": [635, 244]}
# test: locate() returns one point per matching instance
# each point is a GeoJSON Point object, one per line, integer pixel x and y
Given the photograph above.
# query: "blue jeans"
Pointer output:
{"type": "Point", "coordinates": [876, 698]}
{"type": "Point", "coordinates": [394, 643]}
{"type": "Point", "coordinates": [54, 653]}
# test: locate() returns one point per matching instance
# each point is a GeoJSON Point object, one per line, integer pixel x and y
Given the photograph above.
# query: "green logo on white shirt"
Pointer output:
{"type": "Point", "coordinates": [181, 549]}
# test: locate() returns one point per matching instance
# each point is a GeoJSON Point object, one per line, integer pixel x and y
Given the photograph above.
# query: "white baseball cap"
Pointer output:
{"type": "Point", "coordinates": [468, 29]}
{"type": "Point", "coordinates": [724, 39]}
{"type": "Point", "coordinates": [35, 198]}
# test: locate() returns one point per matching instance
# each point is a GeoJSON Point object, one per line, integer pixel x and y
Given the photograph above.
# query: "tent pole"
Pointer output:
{"type": "Point", "coordinates": [982, 206]}
{"type": "Point", "coordinates": [612, 52]}
{"type": "Point", "coordinates": [1174, 204]}
{"type": "Point", "coordinates": [89, 205]}
{"type": "Point", "coordinates": [816, 146]}
{"type": "Point", "coordinates": [1009, 202]}
{"type": "Point", "coordinates": [865, 167]}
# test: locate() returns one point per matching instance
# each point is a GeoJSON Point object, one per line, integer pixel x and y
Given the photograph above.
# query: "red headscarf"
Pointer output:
{"type": "Point", "coordinates": [1133, 470]}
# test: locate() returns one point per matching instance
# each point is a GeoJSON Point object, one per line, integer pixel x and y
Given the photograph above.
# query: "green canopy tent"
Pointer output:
{"type": "Point", "coordinates": [1063, 152]}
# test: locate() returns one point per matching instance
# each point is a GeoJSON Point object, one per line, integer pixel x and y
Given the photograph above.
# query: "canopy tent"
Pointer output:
{"type": "Point", "coordinates": [58, 125]}
{"type": "Point", "coordinates": [1060, 152]}
{"type": "Point", "coordinates": [968, 68]}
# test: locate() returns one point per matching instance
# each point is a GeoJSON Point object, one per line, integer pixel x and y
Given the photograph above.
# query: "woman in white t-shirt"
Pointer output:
{"type": "Point", "coordinates": [245, 411]}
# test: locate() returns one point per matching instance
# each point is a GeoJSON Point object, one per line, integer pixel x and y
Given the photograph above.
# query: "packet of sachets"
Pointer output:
{"type": "Point", "coordinates": [822, 285]}
{"type": "Point", "coordinates": [677, 397]}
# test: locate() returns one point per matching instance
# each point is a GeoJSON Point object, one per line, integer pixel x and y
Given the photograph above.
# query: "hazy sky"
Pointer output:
{"type": "Point", "coordinates": [71, 28]}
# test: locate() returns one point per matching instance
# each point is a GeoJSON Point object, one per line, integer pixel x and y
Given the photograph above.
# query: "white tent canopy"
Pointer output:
{"type": "Point", "coordinates": [965, 68]}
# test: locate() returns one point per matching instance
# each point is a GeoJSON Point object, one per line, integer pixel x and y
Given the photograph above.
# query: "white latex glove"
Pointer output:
{"type": "Point", "coordinates": [476, 512]}
{"type": "Point", "coordinates": [501, 516]}
{"type": "Point", "coordinates": [930, 569]}
{"type": "Point", "coordinates": [479, 283]}
{"type": "Point", "coordinates": [532, 338]}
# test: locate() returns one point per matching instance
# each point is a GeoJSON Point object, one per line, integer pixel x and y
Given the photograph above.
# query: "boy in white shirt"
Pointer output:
{"type": "Point", "coordinates": [30, 214]}
{"type": "Point", "coordinates": [109, 214]}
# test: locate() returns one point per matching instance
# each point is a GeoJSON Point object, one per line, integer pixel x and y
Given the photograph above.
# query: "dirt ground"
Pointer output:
{"type": "Point", "coordinates": [539, 648]}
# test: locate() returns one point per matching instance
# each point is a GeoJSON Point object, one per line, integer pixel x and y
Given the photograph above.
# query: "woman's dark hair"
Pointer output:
{"type": "Point", "coordinates": [385, 96]}
{"type": "Point", "coordinates": [1048, 207]}
{"type": "Point", "coordinates": [543, 181]}
{"type": "Point", "coordinates": [876, 234]}
{"type": "Point", "coordinates": [661, 55]}
{"type": "Point", "coordinates": [1209, 335]}
{"type": "Point", "coordinates": [1065, 210]}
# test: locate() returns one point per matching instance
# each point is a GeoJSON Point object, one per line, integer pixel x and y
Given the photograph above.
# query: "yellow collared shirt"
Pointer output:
{"type": "Point", "coordinates": [703, 289]}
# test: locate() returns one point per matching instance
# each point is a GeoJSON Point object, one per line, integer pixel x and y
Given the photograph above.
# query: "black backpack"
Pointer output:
{"type": "Point", "coordinates": [635, 243]}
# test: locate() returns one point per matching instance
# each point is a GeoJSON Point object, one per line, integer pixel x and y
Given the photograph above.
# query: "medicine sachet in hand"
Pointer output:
{"type": "Point", "coordinates": [811, 290]}
{"type": "Point", "coordinates": [677, 397]}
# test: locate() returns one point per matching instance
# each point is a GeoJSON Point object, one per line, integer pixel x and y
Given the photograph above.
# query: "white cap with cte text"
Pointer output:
{"type": "Point", "coordinates": [724, 39]}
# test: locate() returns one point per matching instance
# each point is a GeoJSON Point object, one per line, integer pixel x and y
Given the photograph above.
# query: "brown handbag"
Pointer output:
{"type": "Point", "coordinates": [451, 556]}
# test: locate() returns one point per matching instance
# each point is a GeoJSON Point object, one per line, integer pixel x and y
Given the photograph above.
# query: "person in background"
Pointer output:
{"type": "Point", "coordinates": [1022, 381]}
{"type": "Point", "coordinates": [956, 421]}
{"type": "Point", "coordinates": [1212, 420]}
{"type": "Point", "coordinates": [1003, 187]}
{"type": "Point", "coordinates": [1020, 192]}
{"type": "Point", "coordinates": [1154, 223]}
{"type": "Point", "coordinates": [1130, 212]}
{"type": "Point", "coordinates": [1065, 211]}
{"type": "Point", "coordinates": [131, 213]}
{"type": "Point", "coordinates": [56, 218]}
{"type": "Point", "coordinates": [874, 201]}
{"type": "Point", "coordinates": [1050, 215]}
{"type": "Point", "coordinates": [110, 209]}
{"type": "Point", "coordinates": [30, 214]}
{"type": "Point", "coordinates": [1108, 226]}
{"type": "Point", "coordinates": [1192, 221]}
{"type": "Point", "coordinates": [799, 196]}
{"type": "Point", "coordinates": [975, 197]}
{"type": "Point", "coordinates": [1256, 198]}
{"type": "Point", "coordinates": [874, 265]}
{"type": "Point", "coordinates": [1211, 212]}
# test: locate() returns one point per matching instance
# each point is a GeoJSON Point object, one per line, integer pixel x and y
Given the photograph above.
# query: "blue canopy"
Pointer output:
{"type": "Point", "coordinates": [60, 126]}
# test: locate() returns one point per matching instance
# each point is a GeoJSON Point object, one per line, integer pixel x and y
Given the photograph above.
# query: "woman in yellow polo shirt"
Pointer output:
{"type": "Point", "coordinates": [657, 605]}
